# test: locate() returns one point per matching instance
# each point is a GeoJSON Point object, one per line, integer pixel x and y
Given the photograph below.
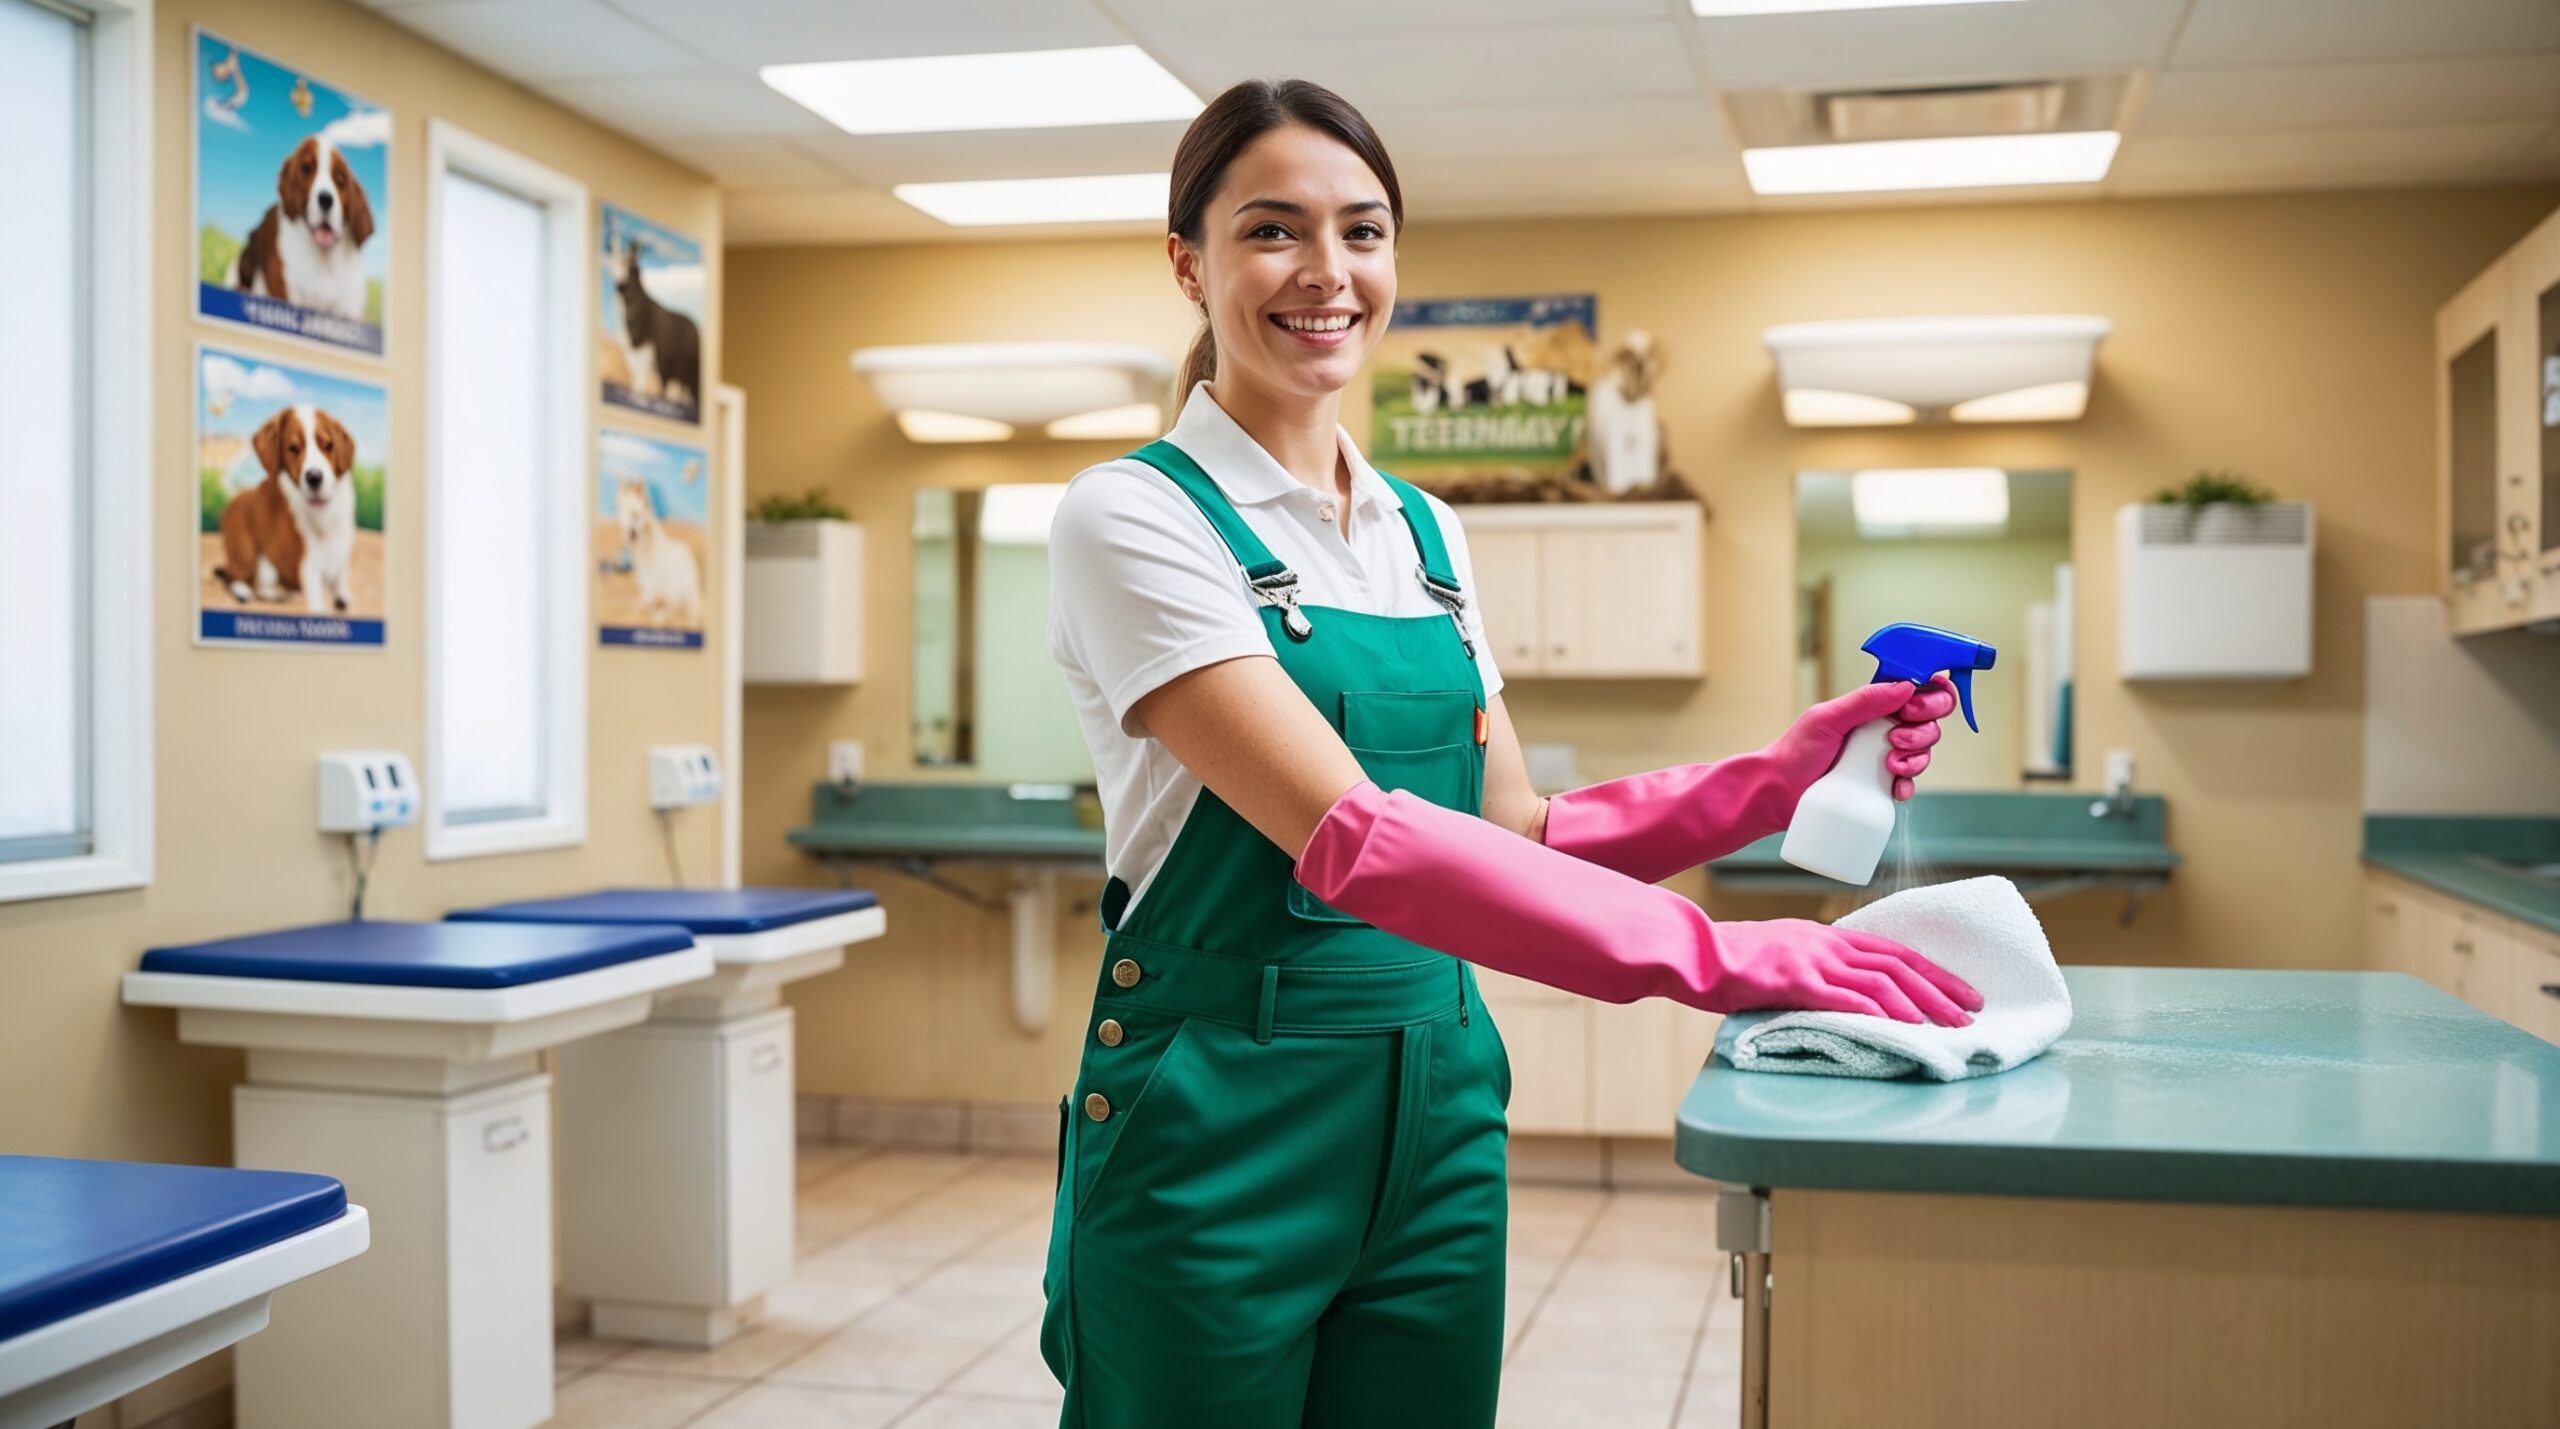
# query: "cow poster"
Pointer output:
{"type": "Point", "coordinates": [1483, 387]}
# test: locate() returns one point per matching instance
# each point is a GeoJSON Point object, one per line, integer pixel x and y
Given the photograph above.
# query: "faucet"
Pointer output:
{"type": "Point", "coordinates": [2119, 801]}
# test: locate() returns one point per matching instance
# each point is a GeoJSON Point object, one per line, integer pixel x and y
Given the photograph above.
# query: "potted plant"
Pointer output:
{"type": "Point", "coordinates": [811, 505]}
{"type": "Point", "coordinates": [803, 589]}
{"type": "Point", "coordinates": [2220, 505]}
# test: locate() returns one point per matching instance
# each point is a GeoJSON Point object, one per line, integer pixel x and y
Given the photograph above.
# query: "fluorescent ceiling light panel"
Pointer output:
{"type": "Point", "coordinates": [1028, 89]}
{"type": "Point", "coordinates": [1978, 162]}
{"type": "Point", "coordinates": [1930, 501]}
{"type": "Point", "coordinates": [1099, 198]}
{"type": "Point", "coordinates": [1717, 9]}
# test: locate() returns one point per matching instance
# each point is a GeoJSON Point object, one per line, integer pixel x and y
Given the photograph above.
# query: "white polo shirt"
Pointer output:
{"type": "Point", "coordinates": [1141, 589]}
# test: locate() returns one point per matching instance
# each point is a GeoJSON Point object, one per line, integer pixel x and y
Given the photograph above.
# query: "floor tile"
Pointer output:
{"type": "Point", "coordinates": [1586, 1399]}
{"type": "Point", "coordinates": [611, 1399]}
{"type": "Point", "coordinates": [1013, 1369]}
{"type": "Point", "coordinates": [787, 1406]}
{"type": "Point", "coordinates": [954, 1411]}
{"type": "Point", "coordinates": [797, 1314]}
{"type": "Point", "coordinates": [1657, 1350]}
{"type": "Point", "coordinates": [1656, 1226]}
{"type": "Point", "coordinates": [582, 1352]}
{"type": "Point", "coordinates": [1598, 1290]}
{"type": "Point", "coordinates": [817, 1161]}
{"type": "Point", "coordinates": [907, 1344]}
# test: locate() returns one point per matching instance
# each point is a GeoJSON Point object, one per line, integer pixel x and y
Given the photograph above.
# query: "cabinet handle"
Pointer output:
{"type": "Point", "coordinates": [765, 1058]}
{"type": "Point", "coordinates": [2551, 989]}
{"type": "Point", "coordinates": [505, 1135]}
{"type": "Point", "coordinates": [2462, 946]}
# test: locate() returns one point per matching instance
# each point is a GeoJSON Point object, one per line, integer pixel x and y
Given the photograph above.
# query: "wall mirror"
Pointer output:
{"type": "Point", "coordinates": [988, 699]}
{"type": "Point", "coordinates": [1974, 549]}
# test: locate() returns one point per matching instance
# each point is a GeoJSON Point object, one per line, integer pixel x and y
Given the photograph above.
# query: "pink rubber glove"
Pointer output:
{"type": "Point", "coordinates": [1478, 891]}
{"type": "Point", "coordinates": [1651, 826]}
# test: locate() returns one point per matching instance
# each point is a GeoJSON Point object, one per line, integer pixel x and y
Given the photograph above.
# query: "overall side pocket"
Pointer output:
{"type": "Point", "coordinates": [1125, 1078]}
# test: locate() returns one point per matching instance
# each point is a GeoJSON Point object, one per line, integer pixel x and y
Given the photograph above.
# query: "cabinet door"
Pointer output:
{"type": "Point", "coordinates": [2483, 961]}
{"type": "Point", "coordinates": [757, 1184]}
{"type": "Point", "coordinates": [2533, 468]}
{"type": "Point", "coordinates": [2471, 356]}
{"type": "Point", "coordinates": [1644, 1055]}
{"type": "Point", "coordinates": [2385, 928]}
{"type": "Point", "coordinates": [1506, 595]}
{"type": "Point", "coordinates": [1622, 600]}
{"type": "Point", "coordinates": [2533, 997]}
{"type": "Point", "coordinates": [1548, 1036]}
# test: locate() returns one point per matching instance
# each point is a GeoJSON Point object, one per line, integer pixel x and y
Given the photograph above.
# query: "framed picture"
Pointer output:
{"type": "Point", "coordinates": [649, 348]}
{"type": "Point", "coordinates": [288, 491]}
{"type": "Point", "coordinates": [292, 201]}
{"type": "Point", "coordinates": [652, 530]}
{"type": "Point", "coordinates": [1483, 387]}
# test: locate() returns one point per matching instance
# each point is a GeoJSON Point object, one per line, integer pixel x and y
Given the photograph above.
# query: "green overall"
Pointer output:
{"type": "Point", "coordinates": [1281, 1193]}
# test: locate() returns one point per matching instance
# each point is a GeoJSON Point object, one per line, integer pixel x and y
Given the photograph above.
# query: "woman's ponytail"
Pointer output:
{"type": "Point", "coordinates": [1200, 364]}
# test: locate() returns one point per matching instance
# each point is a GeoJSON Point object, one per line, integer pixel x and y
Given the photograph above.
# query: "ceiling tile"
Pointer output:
{"type": "Point", "coordinates": [2329, 158]}
{"type": "Point", "coordinates": [1418, 68]}
{"type": "Point", "coordinates": [1671, 124]}
{"type": "Point", "coordinates": [706, 104]}
{"type": "Point", "coordinates": [1936, 44]}
{"type": "Point", "coordinates": [760, 163]}
{"type": "Point", "coordinates": [537, 40]}
{"type": "Point", "coordinates": [884, 159]}
{"type": "Point", "coordinates": [767, 217]}
{"type": "Point", "coordinates": [1311, 19]}
{"type": "Point", "coordinates": [761, 32]}
{"type": "Point", "coordinates": [1471, 188]}
{"type": "Point", "coordinates": [2282, 32]}
{"type": "Point", "coordinates": [2194, 101]}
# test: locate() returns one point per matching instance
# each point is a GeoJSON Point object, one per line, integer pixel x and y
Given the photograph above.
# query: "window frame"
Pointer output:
{"type": "Point", "coordinates": [566, 443]}
{"type": "Point", "coordinates": [116, 720]}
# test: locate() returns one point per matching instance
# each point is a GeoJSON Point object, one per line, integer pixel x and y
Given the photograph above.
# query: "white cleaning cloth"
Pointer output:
{"type": "Point", "coordinates": [1981, 930]}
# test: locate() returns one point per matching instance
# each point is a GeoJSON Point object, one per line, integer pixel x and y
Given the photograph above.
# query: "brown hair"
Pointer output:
{"type": "Point", "coordinates": [1246, 112]}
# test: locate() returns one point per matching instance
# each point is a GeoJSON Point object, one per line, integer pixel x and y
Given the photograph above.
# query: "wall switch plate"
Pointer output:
{"type": "Point", "coordinates": [681, 775]}
{"type": "Point", "coordinates": [2119, 769]}
{"type": "Point", "coordinates": [365, 789]}
{"type": "Point", "coordinates": [844, 761]}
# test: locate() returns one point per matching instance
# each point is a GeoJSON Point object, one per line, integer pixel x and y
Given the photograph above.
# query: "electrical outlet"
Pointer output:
{"type": "Point", "coordinates": [844, 761]}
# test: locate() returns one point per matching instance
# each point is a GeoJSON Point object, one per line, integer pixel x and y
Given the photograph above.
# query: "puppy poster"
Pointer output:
{"type": "Point", "coordinates": [289, 487]}
{"type": "Point", "coordinates": [653, 526]}
{"type": "Point", "coordinates": [650, 348]}
{"type": "Point", "coordinates": [1482, 387]}
{"type": "Point", "coordinates": [293, 194]}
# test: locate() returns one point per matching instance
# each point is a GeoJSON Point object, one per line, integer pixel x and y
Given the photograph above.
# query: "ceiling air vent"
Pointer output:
{"type": "Point", "coordinates": [1936, 113]}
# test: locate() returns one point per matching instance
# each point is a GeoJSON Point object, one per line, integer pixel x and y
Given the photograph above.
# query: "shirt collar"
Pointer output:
{"type": "Point", "coordinates": [1244, 471]}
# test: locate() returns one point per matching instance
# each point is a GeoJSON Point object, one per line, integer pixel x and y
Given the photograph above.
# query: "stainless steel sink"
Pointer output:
{"type": "Point", "coordinates": [2546, 872]}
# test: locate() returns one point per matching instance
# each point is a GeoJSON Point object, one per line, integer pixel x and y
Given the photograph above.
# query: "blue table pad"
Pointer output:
{"type": "Point", "coordinates": [446, 955]}
{"type": "Point", "coordinates": [706, 911]}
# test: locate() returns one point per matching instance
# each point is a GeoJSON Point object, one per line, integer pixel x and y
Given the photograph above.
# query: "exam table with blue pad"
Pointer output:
{"type": "Point", "coordinates": [400, 1059]}
{"type": "Point", "coordinates": [2224, 1196]}
{"type": "Point", "coordinates": [115, 1273]}
{"type": "Point", "coordinates": [677, 1136]}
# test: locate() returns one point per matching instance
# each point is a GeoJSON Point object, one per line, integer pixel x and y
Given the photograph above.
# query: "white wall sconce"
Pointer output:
{"type": "Point", "coordinates": [994, 391]}
{"type": "Point", "coordinates": [1878, 372]}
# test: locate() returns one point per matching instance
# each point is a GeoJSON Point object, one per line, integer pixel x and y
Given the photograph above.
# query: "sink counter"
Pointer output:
{"type": "Point", "coordinates": [1957, 833]}
{"type": "Point", "coordinates": [947, 821]}
{"type": "Point", "coordinates": [2462, 857]}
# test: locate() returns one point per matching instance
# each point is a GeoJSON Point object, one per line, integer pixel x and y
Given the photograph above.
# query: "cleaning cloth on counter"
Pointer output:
{"type": "Point", "coordinates": [1981, 930]}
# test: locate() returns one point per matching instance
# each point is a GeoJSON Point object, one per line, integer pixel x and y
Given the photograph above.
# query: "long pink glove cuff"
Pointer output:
{"type": "Point", "coordinates": [1475, 890]}
{"type": "Point", "coordinates": [1651, 826]}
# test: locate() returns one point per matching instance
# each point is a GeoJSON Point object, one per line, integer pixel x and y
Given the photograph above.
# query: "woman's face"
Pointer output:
{"type": "Point", "coordinates": [1296, 265]}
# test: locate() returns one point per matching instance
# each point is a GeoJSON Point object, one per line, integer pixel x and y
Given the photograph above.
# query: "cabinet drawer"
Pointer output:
{"type": "Point", "coordinates": [2533, 997]}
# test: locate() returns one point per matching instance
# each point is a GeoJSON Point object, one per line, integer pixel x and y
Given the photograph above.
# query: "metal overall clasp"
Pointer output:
{"type": "Point", "coordinates": [1453, 600]}
{"type": "Point", "coordinates": [1280, 591]}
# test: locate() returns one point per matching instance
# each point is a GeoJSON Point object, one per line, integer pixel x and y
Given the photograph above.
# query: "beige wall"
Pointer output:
{"type": "Point", "coordinates": [2286, 336]}
{"type": "Point", "coordinates": [237, 730]}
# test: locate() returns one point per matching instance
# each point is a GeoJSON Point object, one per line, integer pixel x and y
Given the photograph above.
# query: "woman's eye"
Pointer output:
{"type": "Point", "coordinates": [1268, 230]}
{"type": "Point", "coordinates": [1367, 232]}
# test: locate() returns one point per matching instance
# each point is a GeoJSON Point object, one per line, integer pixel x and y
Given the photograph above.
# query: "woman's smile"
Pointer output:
{"type": "Point", "coordinates": [1318, 327]}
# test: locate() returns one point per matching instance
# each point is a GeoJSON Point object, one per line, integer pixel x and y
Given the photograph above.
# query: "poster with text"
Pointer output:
{"type": "Point", "coordinates": [288, 487]}
{"type": "Point", "coordinates": [652, 529]}
{"type": "Point", "coordinates": [1482, 387]}
{"type": "Point", "coordinates": [650, 349]}
{"type": "Point", "coordinates": [292, 200]}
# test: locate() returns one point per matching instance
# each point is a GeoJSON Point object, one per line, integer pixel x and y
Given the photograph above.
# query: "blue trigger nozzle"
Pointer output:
{"type": "Point", "coordinates": [1917, 652]}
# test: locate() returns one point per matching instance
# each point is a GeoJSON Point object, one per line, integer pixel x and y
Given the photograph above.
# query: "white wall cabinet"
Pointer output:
{"type": "Point", "coordinates": [804, 603]}
{"type": "Point", "coordinates": [1600, 591]}
{"type": "Point", "coordinates": [2498, 440]}
{"type": "Point", "coordinates": [1586, 1068]}
{"type": "Point", "coordinates": [2494, 963]}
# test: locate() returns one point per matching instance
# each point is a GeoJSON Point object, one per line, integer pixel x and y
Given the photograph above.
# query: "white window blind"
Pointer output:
{"type": "Point", "coordinates": [47, 480]}
{"type": "Point", "coordinates": [495, 395]}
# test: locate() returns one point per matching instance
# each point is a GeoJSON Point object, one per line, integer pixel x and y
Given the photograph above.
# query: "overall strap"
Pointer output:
{"type": "Point", "coordinates": [1246, 547]}
{"type": "Point", "coordinates": [1439, 579]}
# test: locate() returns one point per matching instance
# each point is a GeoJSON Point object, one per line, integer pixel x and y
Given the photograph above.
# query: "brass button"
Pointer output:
{"type": "Point", "coordinates": [1109, 1032]}
{"type": "Point", "coordinates": [1097, 1106]}
{"type": "Point", "coordinates": [1125, 973]}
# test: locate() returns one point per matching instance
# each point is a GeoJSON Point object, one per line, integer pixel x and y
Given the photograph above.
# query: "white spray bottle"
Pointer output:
{"type": "Point", "coordinates": [1844, 821]}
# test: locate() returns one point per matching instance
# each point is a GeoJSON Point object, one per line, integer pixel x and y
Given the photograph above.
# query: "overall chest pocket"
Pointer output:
{"type": "Point", "coordinates": [1420, 741]}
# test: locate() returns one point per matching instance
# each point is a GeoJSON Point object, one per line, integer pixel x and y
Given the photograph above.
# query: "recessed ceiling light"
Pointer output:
{"type": "Point", "coordinates": [1097, 198]}
{"type": "Point", "coordinates": [1930, 501]}
{"type": "Point", "coordinates": [1029, 89]}
{"type": "Point", "coordinates": [1983, 161]}
{"type": "Point", "coordinates": [1717, 9]}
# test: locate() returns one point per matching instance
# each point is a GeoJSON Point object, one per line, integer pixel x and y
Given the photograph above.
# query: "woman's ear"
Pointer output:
{"type": "Point", "coordinates": [1186, 268]}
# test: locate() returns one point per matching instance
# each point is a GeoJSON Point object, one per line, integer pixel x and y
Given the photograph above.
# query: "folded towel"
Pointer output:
{"type": "Point", "coordinates": [1979, 929]}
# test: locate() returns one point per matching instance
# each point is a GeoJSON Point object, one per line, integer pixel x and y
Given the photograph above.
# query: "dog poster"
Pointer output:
{"type": "Point", "coordinates": [653, 528]}
{"type": "Point", "coordinates": [288, 496]}
{"type": "Point", "coordinates": [293, 200]}
{"type": "Point", "coordinates": [650, 347]}
{"type": "Point", "coordinates": [1483, 387]}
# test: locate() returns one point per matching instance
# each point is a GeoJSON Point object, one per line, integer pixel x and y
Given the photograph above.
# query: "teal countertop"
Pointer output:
{"type": "Point", "coordinates": [2460, 856]}
{"type": "Point", "coordinates": [2192, 1085]}
{"type": "Point", "coordinates": [948, 821]}
{"type": "Point", "coordinates": [1955, 832]}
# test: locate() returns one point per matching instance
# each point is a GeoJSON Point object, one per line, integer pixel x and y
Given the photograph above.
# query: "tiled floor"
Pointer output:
{"type": "Point", "coordinates": [917, 1306]}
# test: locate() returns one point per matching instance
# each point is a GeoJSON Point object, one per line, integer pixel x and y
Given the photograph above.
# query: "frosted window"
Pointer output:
{"type": "Point", "coordinates": [44, 484]}
{"type": "Point", "coordinates": [492, 507]}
